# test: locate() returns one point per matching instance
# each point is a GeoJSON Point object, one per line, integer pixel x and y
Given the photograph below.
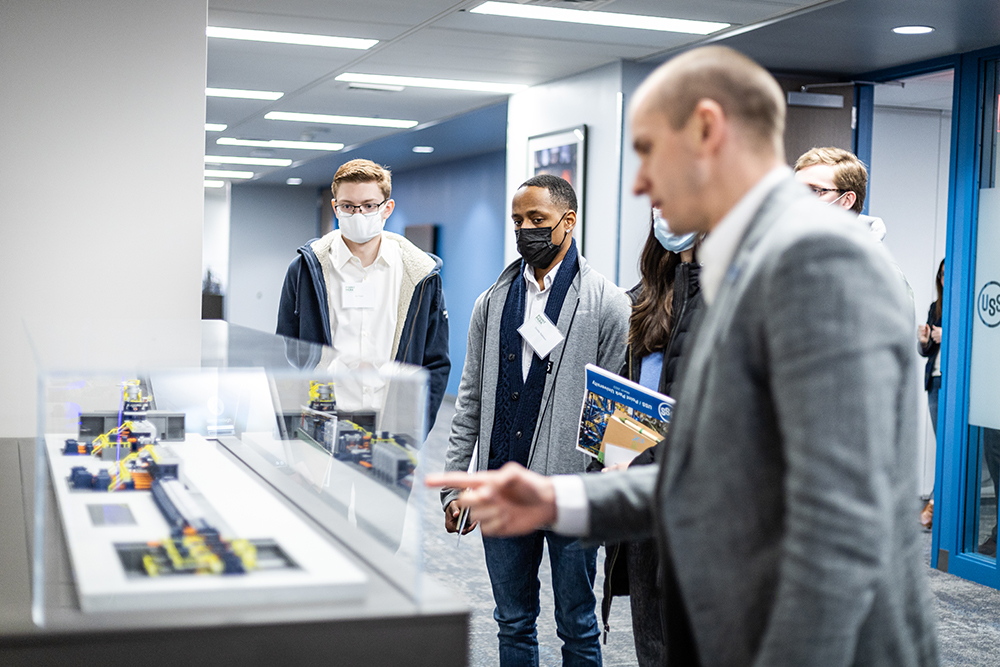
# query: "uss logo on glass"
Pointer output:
{"type": "Point", "coordinates": [988, 304]}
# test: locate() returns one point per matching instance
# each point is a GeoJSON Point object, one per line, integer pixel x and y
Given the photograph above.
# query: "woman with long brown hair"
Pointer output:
{"type": "Point", "coordinates": [663, 307]}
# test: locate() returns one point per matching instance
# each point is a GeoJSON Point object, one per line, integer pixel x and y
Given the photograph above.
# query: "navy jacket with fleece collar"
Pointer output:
{"type": "Point", "coordinates": [421, 338]}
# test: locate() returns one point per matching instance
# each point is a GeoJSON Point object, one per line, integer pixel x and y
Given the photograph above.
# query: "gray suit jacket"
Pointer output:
{"type": "Point", "coordinates": [594, 324]}
{"type": "Point", "coordinates": [789, 485]}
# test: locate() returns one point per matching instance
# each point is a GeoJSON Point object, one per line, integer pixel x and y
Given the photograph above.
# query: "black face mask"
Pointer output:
{"type": "Point", "coordinates": [536, 246]}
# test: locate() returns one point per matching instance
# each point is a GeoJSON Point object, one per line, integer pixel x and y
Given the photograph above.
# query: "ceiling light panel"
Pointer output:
{"type": "Point", "coordinates": [279, 143]}
{"type": "Point", "coordinates": [214, 184]}
{"type": "Point", "coordinates": [607, 19]}
{"type": "Point", "coordinates": [420, 82]}
{"type": "Point", "coordinates": [227, 173]}
{"type": "Point", "coordinates": [243, 94]}
{"type": "Point", "coordinates": [332, 98]}
{"type": "Point", "coordinates": [290, 38]}
{"type": "Point", "coordinates": [339, 120]}
{"type": "Point", "coordinates": [259, 161]}
{"type": "Point", "coordinates": [377, 86]}
{"type": "Point", "coordinates": [349, 135]}
{"type": "Point", "coordinates": [215, 127]}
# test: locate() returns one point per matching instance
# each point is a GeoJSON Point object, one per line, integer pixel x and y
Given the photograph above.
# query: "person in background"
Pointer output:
{"type": "Point", "coordinates": [371, 295]}
{"type": "Point", "coordinates": [839, 178]}
{"type": "Point", "coordinates": [929, 335]}
{"type": "Point", "coordinates": [663, 312]}
{"type": "Point", "coordinates": [520, 399]}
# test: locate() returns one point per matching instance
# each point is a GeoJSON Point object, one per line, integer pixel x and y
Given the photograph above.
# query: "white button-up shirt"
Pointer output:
{"type": "Point", "coordinates": [363, 336]}
{"type": "Point", "coordinates": [535, 299]}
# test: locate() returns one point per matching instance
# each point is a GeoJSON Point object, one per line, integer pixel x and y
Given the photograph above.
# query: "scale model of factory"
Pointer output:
{"type": "Point", "coordinates": [199, 494]}
{"type": "Point", "coordinates": [388, 457]}
{"type": "Point", "coordinates": [194, 545]}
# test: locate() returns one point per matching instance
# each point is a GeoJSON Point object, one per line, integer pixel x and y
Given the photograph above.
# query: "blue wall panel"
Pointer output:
{"type": "Point", "coordinates": [466, 199]}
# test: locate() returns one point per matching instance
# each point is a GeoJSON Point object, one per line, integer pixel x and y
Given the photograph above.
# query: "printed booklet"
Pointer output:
{"type": "Point", "coordinates": [619, 418]}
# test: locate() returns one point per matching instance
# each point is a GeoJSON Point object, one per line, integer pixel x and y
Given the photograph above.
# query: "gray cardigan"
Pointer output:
{"type": "Point", "coordinates": [788, 488]}
{"type": "Point", "coordinates": [594, 325]}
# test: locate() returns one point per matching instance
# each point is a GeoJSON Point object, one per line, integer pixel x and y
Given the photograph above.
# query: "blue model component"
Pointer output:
{"type": "Point", "coordinates": [72, 447]}
{"type": "Point", "coordinates": [102, 481]}
{"type": "Point", "coordinates": [232, 562]}
{"type": "Point", "coordinates": [80, 478]}
{"type": "Point", "coordinates": [173, 517]}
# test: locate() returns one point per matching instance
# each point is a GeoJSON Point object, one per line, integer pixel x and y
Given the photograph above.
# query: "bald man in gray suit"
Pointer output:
{"type": "Point", "coordinates": [783, 508]}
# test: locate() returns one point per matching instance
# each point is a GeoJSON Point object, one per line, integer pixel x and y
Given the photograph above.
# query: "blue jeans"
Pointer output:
{"type": "Point", "coordinates": [513, 566]}
{"type": "Point", "coordinates": [932, 399]}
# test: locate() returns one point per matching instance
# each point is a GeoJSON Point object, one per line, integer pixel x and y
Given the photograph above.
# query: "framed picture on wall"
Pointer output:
{"type": "Point", "coordinates": [563, 154]}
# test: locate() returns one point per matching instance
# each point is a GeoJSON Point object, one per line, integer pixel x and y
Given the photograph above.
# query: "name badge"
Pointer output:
{"type": "Point", "coordinates": [357, 295]}
{"type": "Point", "coordinates": [540, 334]}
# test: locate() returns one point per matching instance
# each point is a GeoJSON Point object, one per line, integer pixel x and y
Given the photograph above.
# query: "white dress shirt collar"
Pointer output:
{"type": "Point", "coordinates": [719, 248]}
{"type": "Point", "coordinates": [340, 254]}
{"type": "Point", "coordinates": [529, 275]}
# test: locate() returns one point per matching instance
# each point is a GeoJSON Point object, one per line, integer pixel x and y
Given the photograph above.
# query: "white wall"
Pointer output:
{"type": "Point", "coordinates": [267, 224]}
{"type": "Point", "coordinates": [215, 236]}
{"type": "Point", "coordinates": [634, 226]}
{"type": "Point", "coordinates": [591, 98]}
{"type": "Point", "coordinates": [102, 128]}
{"type": "Point", "coordinates": [911, 150]}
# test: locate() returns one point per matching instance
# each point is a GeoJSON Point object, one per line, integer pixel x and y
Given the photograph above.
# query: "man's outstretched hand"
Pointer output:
{"type": "Point", "coordinates": [505, 502]}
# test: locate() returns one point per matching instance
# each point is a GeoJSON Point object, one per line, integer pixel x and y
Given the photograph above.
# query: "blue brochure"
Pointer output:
{"type": "Point", "coordinates": [619, 418]}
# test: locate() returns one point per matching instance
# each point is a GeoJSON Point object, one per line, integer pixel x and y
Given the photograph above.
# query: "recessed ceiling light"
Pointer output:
{"type": "Point", "coordinates": [214, 184]}
{"type": "Point", "coordinates": [215, 127]}
{"type": "Point", "coordinates": [610, 19]}
{"type": "Point", "coordinates": [243, 94]}
{"type": "Point", "coordinates": [419, 82]}
{"type": "Point", "coordinates": [423, 149]}
{"type": "Point", "coordinates": [224, 173]}
{"type": "Point", "coordinates": [293, 181]}
{"type": "Point", "coordinates": [277, 143]}
{"type": "Point", "coordinates": [376, 86]}
{"type": "Point", "coordinates": [260, 161]}
{"type": "Point", "coordinates": [290, 38]}
{"type": "Point", "coordinates": [339, 120]}
{"type": "Point", "coordinates": [913, 30]}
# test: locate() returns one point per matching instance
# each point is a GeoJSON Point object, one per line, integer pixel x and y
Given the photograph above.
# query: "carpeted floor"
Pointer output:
{"type": "Point", "coordinates": [968, 613]}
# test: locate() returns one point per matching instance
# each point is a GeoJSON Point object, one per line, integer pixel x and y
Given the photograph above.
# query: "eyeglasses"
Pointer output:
{"type": "Point", "coordinates": [819, 192]}
{"type": "Point", "coordinates": [351, 209]}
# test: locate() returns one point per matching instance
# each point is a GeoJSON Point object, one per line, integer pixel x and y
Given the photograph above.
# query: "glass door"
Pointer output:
{"type": "Point", "coordinates": [979, 532]}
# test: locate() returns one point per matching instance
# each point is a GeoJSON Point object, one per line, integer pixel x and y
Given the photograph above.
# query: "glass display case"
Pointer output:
{"type": "Point", "coordinates": [192, 471]}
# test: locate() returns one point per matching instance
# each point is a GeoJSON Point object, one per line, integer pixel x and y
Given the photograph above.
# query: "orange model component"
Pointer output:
{"type": "Point", "coordinates": [142, 479]}
{"type": "Point", "coordinates": [365, 464]}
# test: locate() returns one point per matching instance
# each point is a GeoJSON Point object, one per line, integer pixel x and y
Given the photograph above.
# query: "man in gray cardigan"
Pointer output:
{"type": "Point", "coordinates": [520, 398]}
{"type": "Point", "coordinates": [783, 508]}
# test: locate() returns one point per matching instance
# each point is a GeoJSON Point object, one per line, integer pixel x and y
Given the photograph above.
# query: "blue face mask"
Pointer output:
{"type": "Point", "coordinates": [668, 239]}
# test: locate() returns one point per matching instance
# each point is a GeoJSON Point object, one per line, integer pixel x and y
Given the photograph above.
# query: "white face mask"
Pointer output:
{"type": "Point", "coordinates": [360, 227]}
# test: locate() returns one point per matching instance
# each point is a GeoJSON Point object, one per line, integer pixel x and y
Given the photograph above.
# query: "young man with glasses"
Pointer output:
{"type": "Point", "coordinates": [839, 178]}
{"type": "Point", "coordinates": [371, 295]}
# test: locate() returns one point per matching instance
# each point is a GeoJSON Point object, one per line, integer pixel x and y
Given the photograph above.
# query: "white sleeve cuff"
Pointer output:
{"type": "Point", "coordinates": [572, 510]}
